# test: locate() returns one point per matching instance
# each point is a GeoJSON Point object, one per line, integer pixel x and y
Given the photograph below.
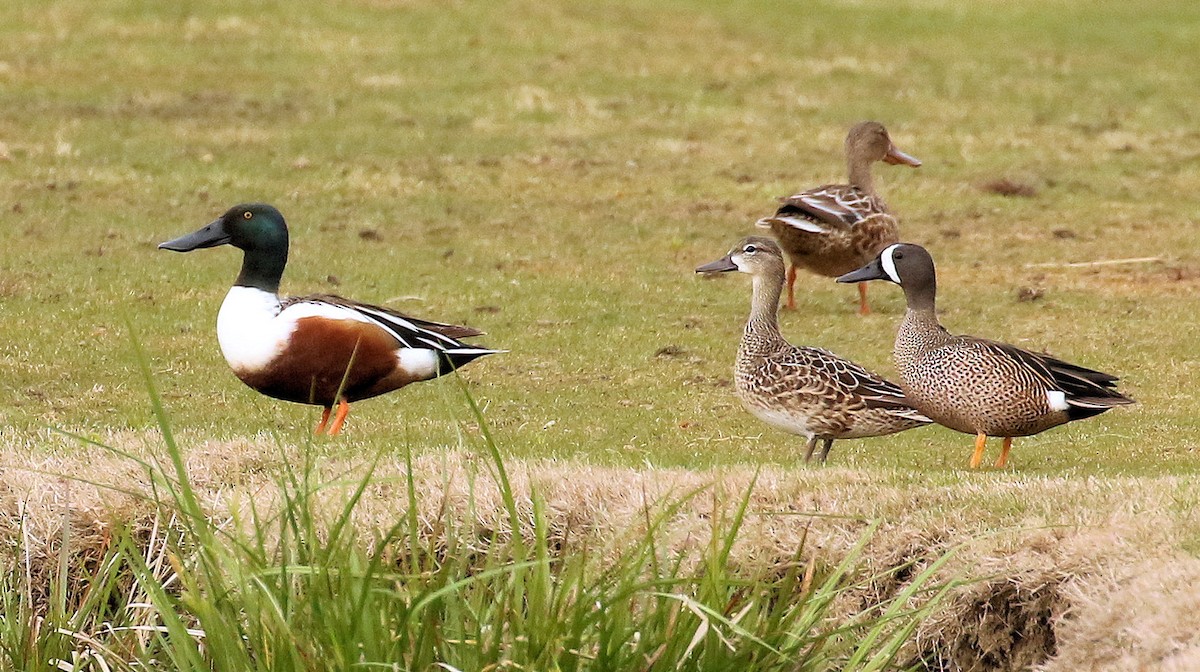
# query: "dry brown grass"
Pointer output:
{"type": "Point", "coordinates": [1069, 573]}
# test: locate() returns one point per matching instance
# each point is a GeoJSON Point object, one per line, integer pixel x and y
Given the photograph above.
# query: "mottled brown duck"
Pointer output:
{"type": "Point", "coordinates": [806, 391]}
{"type": "Point", "coordinates": [836, 228]}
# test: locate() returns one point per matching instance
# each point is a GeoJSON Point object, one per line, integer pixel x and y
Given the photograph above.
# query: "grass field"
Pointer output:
{"type": "Point", "coordinates": [552, 172]}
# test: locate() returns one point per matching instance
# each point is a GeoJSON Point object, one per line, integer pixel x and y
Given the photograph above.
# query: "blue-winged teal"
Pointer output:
{"type": "Point", "coordinates": [319, 349]}
{"type": "Point", "coordinates": [836, 228]}
{"type": "Point", "coordinates": [975, 385]}
{"type": "Point", "coordinates": [805, 391]}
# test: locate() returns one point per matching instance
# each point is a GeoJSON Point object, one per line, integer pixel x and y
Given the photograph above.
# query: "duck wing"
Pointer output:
{"type": "Point", "coordinates": [411, 332]}
{"type": "Point", "coordinates": [825, 208]}
{"type": "Point", "coordinates": [1083, 387]}
{"type": "Point", "coordinates": [847, 377]}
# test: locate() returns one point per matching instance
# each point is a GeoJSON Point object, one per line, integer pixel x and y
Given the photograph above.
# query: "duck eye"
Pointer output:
{"type": "Point", "coordinates": [750, 249]}
{"type": "Point", "coordinates": [247, 215]}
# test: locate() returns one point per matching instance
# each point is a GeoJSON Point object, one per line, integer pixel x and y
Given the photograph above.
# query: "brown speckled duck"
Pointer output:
{"type": "Point", "coordinates": [805, 391]}
{"type": "Point", "coordinates": [975, 385]}
{"type": "Point", "coordinates": [836, 228]}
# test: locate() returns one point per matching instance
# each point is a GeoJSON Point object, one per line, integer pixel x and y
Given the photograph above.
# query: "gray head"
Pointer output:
{"type": "Point", "coordinates": [907, 265]}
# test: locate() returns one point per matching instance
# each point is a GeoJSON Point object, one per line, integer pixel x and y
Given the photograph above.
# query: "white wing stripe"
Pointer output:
{"type": "Point", "coordinates": [802, 224]}
{"type": "Point", "coordinates": [837, 208]}
{"type": "Point", "coordinates": [403, 330]}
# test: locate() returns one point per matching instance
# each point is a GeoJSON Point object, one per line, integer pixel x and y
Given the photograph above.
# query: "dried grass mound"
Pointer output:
{"type": "Point", "coordinates": [1145, 620]}
{"type": "Point", "coordinates": [1069, 574]}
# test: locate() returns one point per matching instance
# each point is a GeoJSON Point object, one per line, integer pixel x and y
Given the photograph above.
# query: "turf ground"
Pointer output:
{"type": "Point", "coordinates": [552, 172]}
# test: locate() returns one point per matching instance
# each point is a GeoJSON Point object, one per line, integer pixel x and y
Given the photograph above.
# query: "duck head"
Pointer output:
{"type": "Point", "coordinates": [257, 229]}
{"type": "Point", "coordinates": [907, 265]}
{"type": "Point", "coordinates": [755, 255]}
{"type": "Point", "coordinates": [247, 226]}
{"type": "Point", "coordinates": [870, 141]}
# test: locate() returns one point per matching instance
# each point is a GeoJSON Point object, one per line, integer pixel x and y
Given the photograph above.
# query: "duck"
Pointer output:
{"type": "Point", "coordinates": [976, 385]}
{"type": "Point", "coordinates": [805, 391]}
{"type": "Point", "coordinates": [835, 228]}
{"type": "Point", "coordinates": [319, 349]}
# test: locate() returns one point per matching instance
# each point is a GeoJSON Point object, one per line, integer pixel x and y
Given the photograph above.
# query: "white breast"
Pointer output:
{"type": "Point", "coordinates": [793, 423]}
{"type": "Point", "coordinates": [253, 330]}
{"type": "Point", "coordinates": [248, 329]}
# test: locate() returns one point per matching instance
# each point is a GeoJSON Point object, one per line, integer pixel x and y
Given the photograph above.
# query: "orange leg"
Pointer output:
{"type": "Point", "coordinates": [977, 456]}
{"type": "Point", "coordinates": [1004, 452]}
{"type": "Point", "coordinates": [791, 278]}
{"type": "Point", "coordinates": [340, 418]}
{"type": "Point", "coordinates": [324, 419]}
{"type": "Point", "coordinates": [863, 307]}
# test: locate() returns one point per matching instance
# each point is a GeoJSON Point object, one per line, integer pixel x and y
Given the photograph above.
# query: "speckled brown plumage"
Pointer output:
{"type": "Point", "coordinates": [975, 385]}
{"type": "Point", "coordinates": [802, 390]}
{"type": "Point", "coordinates": [836, 228]}
{"type": "Point", "coordinates": [836, 249]}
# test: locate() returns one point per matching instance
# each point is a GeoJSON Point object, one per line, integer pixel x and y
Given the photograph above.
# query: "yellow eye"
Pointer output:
{"type": "Point", "coordinates": [247, 215]}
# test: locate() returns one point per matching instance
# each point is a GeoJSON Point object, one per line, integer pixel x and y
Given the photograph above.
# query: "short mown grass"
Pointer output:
{"type": "Point", "coordinates": [552, 173]}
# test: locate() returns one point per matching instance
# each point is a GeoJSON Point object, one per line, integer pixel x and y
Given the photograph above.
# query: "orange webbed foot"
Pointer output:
{"type": "Point", "coordinates": [340, 419]}
{"type": "Point", "coordinates": [977, 456]}
{"type": "Point", "coordinates": [1003, 459]}
{"type": "Point", "coordinates": [324, 419]}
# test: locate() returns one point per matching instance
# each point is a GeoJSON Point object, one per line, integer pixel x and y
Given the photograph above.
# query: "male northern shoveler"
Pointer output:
{"type": "Point", "coordinates": [318, 349]}
{"type": "Point", "coordinates": [836, 228]}
{"type": "Point", "coordinates": [975, 385]}
{"type": "Point", "coordinates": [801, 390]}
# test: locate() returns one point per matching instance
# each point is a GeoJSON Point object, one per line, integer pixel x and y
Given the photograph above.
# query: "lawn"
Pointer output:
{"type": "Point", "coordinates": [552, 173]}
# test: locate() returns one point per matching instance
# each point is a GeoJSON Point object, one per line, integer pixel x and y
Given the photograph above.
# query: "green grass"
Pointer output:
{"type": "Point", "coordinates": [552, 173]}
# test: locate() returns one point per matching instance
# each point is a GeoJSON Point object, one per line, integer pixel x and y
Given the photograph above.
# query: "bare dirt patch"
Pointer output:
{"type": "Point", "coordinates": [1005, 186]}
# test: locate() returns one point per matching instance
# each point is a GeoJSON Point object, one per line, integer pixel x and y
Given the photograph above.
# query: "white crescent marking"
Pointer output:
{"type": "Point", "coordinates": [889, 264]}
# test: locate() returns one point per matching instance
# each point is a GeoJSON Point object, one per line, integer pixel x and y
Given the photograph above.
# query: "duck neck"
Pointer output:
{"type": "Point", "coordinates": [762, 329]}
{"type": "Point", "coordinates": [919, 333]}
{"type": "Point", "coordinates": [262, 268]}
{"type": "Point", "coordinates": [920, 329]}
{"type": "Point", "coordinates": [922, 319]}
{"type": "Point", "coordinates": [921, 298]}
{"type": "Point", "coordinates": [860, 173]}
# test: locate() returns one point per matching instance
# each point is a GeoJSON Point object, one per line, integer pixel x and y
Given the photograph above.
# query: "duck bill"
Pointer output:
{"type": "Point", "coordinates": [721, 265]}
{"type": "Point", "coordinates": [898, 158]}
{"type": "Point", "coordinates": [872, 271]}
{"type": "Point", "coordinates": [210, 236]}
